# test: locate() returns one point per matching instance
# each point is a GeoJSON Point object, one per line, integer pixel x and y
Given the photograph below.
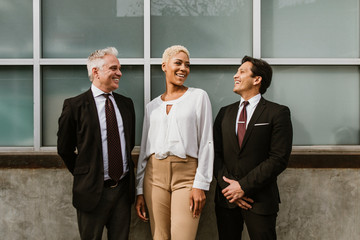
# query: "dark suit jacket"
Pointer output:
{"type": "Point", "coordinates": [79, 145]}
{"type": "Point", "coordinates": [264, 155]}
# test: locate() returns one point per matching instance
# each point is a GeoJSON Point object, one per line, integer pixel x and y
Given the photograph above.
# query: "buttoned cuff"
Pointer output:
{"type": "Point", "coordinates": [139, 191]}
{"type": "Point", "coordinates": [201, 185]}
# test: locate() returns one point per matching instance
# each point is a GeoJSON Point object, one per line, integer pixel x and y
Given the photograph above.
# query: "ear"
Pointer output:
{"type": "Point", "coordinates": [163, 67]}
{"type": "Point", "coordinates": [95, 71]}
{"type": "Point", "coordinates": [257, 80]}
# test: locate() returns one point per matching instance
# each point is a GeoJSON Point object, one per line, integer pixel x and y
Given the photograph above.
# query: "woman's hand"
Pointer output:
{"type": "Point", "coordinates": [197, 201]}
{"type": "Point", "coordinates": [140, 208]}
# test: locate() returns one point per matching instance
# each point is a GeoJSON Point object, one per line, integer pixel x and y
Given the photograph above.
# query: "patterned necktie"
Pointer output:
{"type": "Point", "coordinates": [242, 123]}
{"type": "Point", "coordinates": [113, 141]}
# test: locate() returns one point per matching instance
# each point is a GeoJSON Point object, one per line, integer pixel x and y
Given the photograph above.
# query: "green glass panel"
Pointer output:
{"type": "Point", "coordinates": [16, 106]}
{"type": "Point", "coordinates": [16, 26]}
{"type": "Point", "coordinates": [324, 102]}
{"type": "Point", "coordinates": [61, 82]}
{"type": "Point", "coordinates": [73, 29]}
{"type": "Point", "coordinates": [310, 29]}
{"type": "Point", "coordinates": [210, 29]}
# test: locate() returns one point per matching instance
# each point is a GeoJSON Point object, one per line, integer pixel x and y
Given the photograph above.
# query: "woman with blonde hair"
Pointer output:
{"type": "Point", "coordinates": [175, 164]}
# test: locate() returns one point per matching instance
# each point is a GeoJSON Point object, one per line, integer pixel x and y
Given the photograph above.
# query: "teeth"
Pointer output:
{"type": "Point", "coordinates": [180, 75]}
{"type": "Point", "coordinates": [237, 82]}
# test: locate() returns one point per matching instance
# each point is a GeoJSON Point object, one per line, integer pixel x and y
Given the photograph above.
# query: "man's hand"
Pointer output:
{"type": "Point", "coordinates": [232, 192]}
{"type": "Point", "coordinates": [244, 203]}
{"type": "Point", "coordinates": [197, 201]}
{"type": "Point", "coordinates": [140, 208]}
{"type": "Point", "coordinates": [235, 194]}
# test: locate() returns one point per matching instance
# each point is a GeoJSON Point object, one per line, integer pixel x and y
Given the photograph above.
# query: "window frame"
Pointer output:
{"type": "Point", "coordinates": [37, 62]}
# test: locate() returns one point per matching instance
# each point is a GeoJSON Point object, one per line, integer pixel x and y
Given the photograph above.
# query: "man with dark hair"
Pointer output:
{"type": "Point", "coordinates": [253, 141]}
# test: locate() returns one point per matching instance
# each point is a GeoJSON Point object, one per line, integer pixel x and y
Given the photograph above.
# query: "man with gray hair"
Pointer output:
{"type": "Point", "coordinates": [95, 138]}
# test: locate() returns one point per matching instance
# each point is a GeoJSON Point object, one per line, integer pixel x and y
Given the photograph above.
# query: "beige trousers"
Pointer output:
{"type": "Point", "coordinates": [167, 187]}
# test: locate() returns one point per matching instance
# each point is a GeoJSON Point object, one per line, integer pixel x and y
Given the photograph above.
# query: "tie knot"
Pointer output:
{"type": "Point", "coordinates": [245, 103]}
{"type": "Point", "coordinates": [106, 95]}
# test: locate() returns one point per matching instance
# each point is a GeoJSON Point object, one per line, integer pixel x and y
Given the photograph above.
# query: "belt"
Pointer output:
{"type": "Point", "coordinates": [110, 183]}
{"type": "Point", "coordinates": [113, 184]}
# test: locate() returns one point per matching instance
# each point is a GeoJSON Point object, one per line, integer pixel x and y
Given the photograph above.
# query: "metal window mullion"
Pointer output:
{"type": "Point", "coordinates": [257, 28]}
{"type": "Point", "coordinates": [274, 61]}
{"type": "Point", "coordinates": [16, 61]}
{"type": "Point", "coordinates": [36, 73]}
{"type": "Point", "coordinates": [82, 61]}
{"type": "Point", "coordinates": [194, 61]}
{"type": "Point", "coordinates": [326, 149]}
{"type": "Point", "coordinates": [147, 52]}
{"type": "Point", "coordinates": [314, 61]}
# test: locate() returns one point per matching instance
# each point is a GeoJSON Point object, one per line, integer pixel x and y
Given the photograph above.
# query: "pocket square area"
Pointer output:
{"type": "Point", "coordinates": [261, 124]}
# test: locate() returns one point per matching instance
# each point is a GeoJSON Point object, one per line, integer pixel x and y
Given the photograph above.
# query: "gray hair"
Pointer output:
{"type": "Point", "coordinates": [171, 51]}
{"type": "Point", "coordinates": [96, 59]}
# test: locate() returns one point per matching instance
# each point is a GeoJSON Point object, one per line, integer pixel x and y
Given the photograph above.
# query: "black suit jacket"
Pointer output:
{"type": "Point", "coordinates": [79, 145]}
{"type": "Point", "coordinates": [264, 155]}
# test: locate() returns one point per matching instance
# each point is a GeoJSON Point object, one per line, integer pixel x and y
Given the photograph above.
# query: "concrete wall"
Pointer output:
{"type": "Point", "coordinates": [316, 204]}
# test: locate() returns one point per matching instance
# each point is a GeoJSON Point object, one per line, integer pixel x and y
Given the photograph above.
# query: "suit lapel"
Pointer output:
{"type": "Point", "coordinates": [91, 106]}
{"type": "Point", "coordinates": [229, 125]}
{"type": "Point", "coordinates": [258, 111]}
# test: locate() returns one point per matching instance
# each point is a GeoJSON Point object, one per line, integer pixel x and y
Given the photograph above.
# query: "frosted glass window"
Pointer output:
{"type": "Point", "coordinates": [324, 102]}
{"type": "Point", "coordinates": [73, 29]}
{"type": "Point", "coordinates": [217, 81]}
{"type": "Point", "coordinates": [61, 82]}
{"type": "Point", "coordinates": [207, 28]}
{"type": "Point", "coordinates": [310, 28]}
{"type": "Point", "coordinates": [16, 106]}
{"type": "Point", "coordinates": [16, 28]}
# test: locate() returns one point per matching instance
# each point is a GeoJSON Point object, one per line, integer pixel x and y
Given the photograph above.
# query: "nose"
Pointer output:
{"type": "Point", "coordinates": [183, 67]}
{"type": "Point", "coordinates": [119, 72]}
{"type": "Point", "coordinates": [236, 76]}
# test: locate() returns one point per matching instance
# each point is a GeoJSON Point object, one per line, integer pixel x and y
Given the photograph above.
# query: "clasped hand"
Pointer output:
{"type": "Point", "coordinates": [235, 194]}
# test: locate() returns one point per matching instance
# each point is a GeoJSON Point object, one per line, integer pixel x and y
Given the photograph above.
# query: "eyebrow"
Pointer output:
{"type": "Point", "coordinates": [178, 59]}
{"type": "Point", "coordinates": [111, 66]}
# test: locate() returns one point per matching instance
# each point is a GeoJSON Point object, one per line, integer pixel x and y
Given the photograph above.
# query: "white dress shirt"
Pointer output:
{"type": "Point", "coordinates": [100, 106]}
{"type": "Point", "coordinates": [250, 108]}
{"type": "Point", "coordinates": [185, 131]}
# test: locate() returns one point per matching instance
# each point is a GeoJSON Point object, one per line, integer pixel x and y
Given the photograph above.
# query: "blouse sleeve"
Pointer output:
{"type": "Point", "coordinates": [204, 172]}
{"type": "Point", "coordinates": [142, 161]}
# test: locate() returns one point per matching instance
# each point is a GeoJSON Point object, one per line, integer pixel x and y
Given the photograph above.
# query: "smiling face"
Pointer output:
{"type": "Point", "coordinates": [176, 69]}
{"type": "Point", "coordinates": [245, 84]}
{"type": "Point", "coordinates": [108, 76]}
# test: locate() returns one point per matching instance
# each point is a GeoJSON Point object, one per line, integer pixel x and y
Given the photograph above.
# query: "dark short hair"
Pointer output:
{"type": "Point", "coordinates": [262, 69]}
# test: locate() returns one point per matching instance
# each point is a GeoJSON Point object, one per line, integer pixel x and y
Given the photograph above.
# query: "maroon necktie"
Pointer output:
{"type": "Point", "coordinates": [113, 141]}
{"type": "Point", "coordinates": [242, 123]}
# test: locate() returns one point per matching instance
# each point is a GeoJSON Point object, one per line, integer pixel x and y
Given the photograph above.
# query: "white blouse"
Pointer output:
{"type": "Point", "coordinates": [185, 131]}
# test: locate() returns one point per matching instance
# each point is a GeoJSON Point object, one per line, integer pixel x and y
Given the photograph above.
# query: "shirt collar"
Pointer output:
{"type": "Point", "coordinates": [96, 91]}
{"type": "Point", "coordinates": [252, 101]}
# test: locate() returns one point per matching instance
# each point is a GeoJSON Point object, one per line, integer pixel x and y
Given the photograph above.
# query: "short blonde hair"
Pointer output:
{"type": "Point", "coordinates": [96, 59]}
{"type": "Point", "coordinates": [173, 50]}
